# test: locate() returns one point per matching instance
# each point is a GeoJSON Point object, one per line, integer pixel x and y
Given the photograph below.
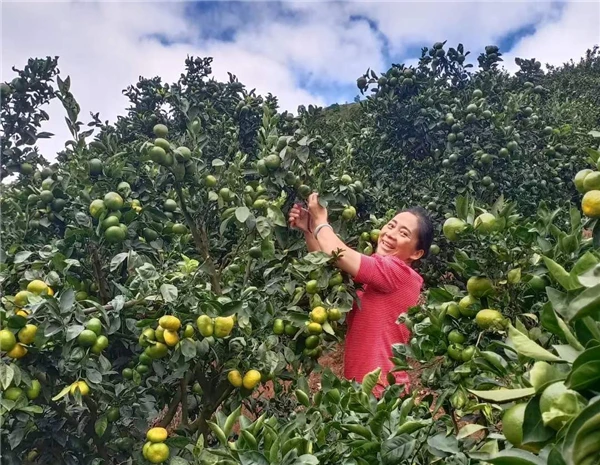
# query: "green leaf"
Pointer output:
{"type": "Point", "coordinates": [566, 352]}
{"type": "Point", "coordinates": [306, 459]}
{"type": "Point", "coordinates": [73, 332]}
{"type": "Point", "coordinates": [587, 261]}
{"type": "Point", "coordinates": [169, 293]}
{"type": "Point", "coordinates": [561, 275]}
{"type": "Point", "coordinates": [231, 419]}
{"type": "Point", "coordinates": [219, 433]}
{"type": "Point", "coordinates": [20, 257]}
{"type": "Point", "coordinates": [276, 216]}
{"type": "Point", "coordinates": [525, 346]}
{"type": "Point", "coordinates": [587, 420]}
{"type": "Point", "coordinates": [515, 457]}
{"type": "Point", "coordinates": [93, 375]}
{"type": "Point", "coordinates": [443, 443]}
{"type": "Point", "coordinates": [585, 304]}
{"type": "Point", "coordinates": [117, 260]}
{"type": "Point", "coordinates": [469, 429]}
{"type": "Point", "coordinates": [533, 426]}
{"type": "Point", "coordinates": [176, 460]}
{"type": "Point", "coordinates": [62, 393]}
{"type": "Point", "coordinates": [101, 425]}
{"type": "Point", "coordinates": [67, 299]}
{"type": "Point", "coordinates": [6, 375]}
{"type": "Point", "coordinates": [503, 395]}
{"type": "Point", "coordinates": [396, 450]}
{"type": "Point", "coordinates": [462, 207]}
{"type": "Point", "coordinates": [242, 214]}
{"type": "Point", "coordinates": [263, 227]}
{"type": "Point", "coordinates": [188, 348]}
{"type": "Point", "coordinates": [370, 380]}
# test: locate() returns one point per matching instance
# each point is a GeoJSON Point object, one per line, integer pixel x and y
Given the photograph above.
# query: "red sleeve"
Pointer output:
{"type": "Point", "coordinates": [386, 274]}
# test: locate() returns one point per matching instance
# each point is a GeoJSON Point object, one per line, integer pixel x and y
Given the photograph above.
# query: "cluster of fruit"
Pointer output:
{"type": "Point", "coordinates": [367, 242]}
{"type": "Point", "coordinates": [249, 381]}
{"type": "Point", "coordinates": [177, 159]}
{"type": "Point", "coordinates": [14, 346]}
{"type": "Point", "coordinates": [587, 182]}
{"type": "Point", "coordinates": [484, 224]}
{"type": "Point", "coordinates": [114, 230]}
{"type": "Point", "coordinates": [92, 337]}
{"type": "Point", "coordinates": [155, 450]}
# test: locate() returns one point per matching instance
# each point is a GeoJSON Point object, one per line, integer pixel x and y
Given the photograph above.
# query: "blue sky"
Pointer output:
{"type": "Point", "coordinates": [302, 52]}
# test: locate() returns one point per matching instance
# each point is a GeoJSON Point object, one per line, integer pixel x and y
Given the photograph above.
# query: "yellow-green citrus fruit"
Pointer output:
{"type": "Point", "coordinates": [162, 143]}
{"type": "Point", "coordinates": [514, 276]}
{"type": "Point", "coordinates": [468, 306]}
{"type": "Point", "coordinates": [27, 334]}
{"type": "Point", "coordinates": [87, 338]}
{"type": "Point", "coordinates": [13, 393]}
{"type": "Point", "coordinates": [334, 314]}
{"type": "Point", "coordinates": [590, 204]}
{"type": "Point", "coordinates": [37, 286]}
{"type": "Point", "coordinates": [223, 326]}
{"type": "Point", "coordinates": [542, 374]}
{"type": "Point", "coordinates": [7, 340]}
{"type": "Point", "coordinates": [188, 331]}
{"type": "Point", "coordinates": [512, 427]}
{"type": "Point", "coordinates": [97, 207]}
{"type": "Point", "coordinates": [312, 286]}
{"type": "Point", "coordinates": [21, 298]}
{"type": "Point", "coordinates": [210, 181]}
{"type": "Point", "coordinates": [205, 325]}
{"type": "Point", "coordinates": [349, 213]}
{"type": "Point", "coordinates": [113, 201]}
{"type": "Point", "coordinates": [17, 352]}
{"type": "Point", "coordinates": [94, 324]}
{"type": "Point", "coordinates": [157, 350]}
{"type": "Point", "coordinates": [312, 341]}
{"type": "Point", "coordinates": [157, 435]}
{"type": "Point", "coordinates": [95, 166]}
{"type": "Point", "coordinates": [109, 221]}
{"type": "Point", "coordinates": [314, 328]}
{"type": "Point", "coordinates": [318, 315]}
{"type": "Point", "coordinates": [579, 178]}
{"type": "Point", "coordinates": [179, 228]}
{"type": "Point", "coordinates": [479, 287]}
{"type": "Point", "coordinates": [160, 130]}
{"type": "Point", "coordinates": [489, 319]}
{"type": "Point", "coordinates": [157, 453]}
{"type": "Point", "coordinates": [255, 252]}
{"type": "Point", "coordinates": [453, 227]}
{"type": "Point", "coordinates": [115, 234]}
{"type": "Point", "coordinates": [591, 181]}
{"type": "Point", "coordinates": [278, 327]}
{"type": "Point", "coordinates": [170, 205]}
{"type": "Point", "coordinates": [147, 335]}
{"type": "Point", "coordinates": [272, 161]}
{"type": "Point", "coordinates": [346, 179]}
{"type": "Point", "coordinates": [81, 387]}
{"type": "Point", "coordinates": [33, 392]}
{"type": "Point", "coordinates": [251, 379]}
{"type": "Point", "coordinates": [170, 322]}
{"type": "Point", "coordinates": [171, 337]}
{"type": "Point", "coordinates": [456, 337]}
{"type": "Point", "coordinates": [100, 344]}
{"type": "Point", "coordinates": [235, 378]}
{"type": "Point", "coordinates": [485, 223]}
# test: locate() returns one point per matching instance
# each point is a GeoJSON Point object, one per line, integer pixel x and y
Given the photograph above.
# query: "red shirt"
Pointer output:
{"type": "Point", "coordinates": [390, 287]}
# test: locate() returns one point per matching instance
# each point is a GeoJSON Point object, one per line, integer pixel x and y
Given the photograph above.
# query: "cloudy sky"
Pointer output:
{"type": "Point", "coordinates": [302, 52]}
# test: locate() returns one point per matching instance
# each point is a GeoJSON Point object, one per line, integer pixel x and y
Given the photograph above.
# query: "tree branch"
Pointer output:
{"type": "Point", "coordinates": [128, 304]}
{"type": "Point", "coordinates": [99, 275]}
{"type": "Point", "coordinates": [184, 406]}
{"type": "Point", "coordinates": [171, 410]}
{"type": "Point", "coordinates": [201, 241]}
{"type": "Point", "coordinates": [100, 445]}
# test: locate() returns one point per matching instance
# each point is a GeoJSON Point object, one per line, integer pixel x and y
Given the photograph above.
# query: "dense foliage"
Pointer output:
{"type": "Point", "coordinates": [149, 279]}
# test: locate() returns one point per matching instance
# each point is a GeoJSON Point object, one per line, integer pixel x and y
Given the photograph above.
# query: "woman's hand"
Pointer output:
{"type": "Point", "coordinates": [299, 218]}
{"type": "Point", "coordinates": [317, 212]}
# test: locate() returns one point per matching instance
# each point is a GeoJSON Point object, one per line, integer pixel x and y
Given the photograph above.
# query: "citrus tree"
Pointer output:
{"type": "Point", "coordinates": [150, 275]}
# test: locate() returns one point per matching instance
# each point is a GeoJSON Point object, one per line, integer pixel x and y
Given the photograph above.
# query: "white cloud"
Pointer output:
{"type": "Point", "coordinates": [560, 39]}
{"type": "Point", "coordinates": [106, 46]}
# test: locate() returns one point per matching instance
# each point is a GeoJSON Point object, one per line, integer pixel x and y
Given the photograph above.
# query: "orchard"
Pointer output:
{"type": "Point", "coordinates": [157, 308]}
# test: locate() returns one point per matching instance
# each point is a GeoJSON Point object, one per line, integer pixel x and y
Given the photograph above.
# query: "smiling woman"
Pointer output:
{"type": "Point", "coordinates": [390, 285]}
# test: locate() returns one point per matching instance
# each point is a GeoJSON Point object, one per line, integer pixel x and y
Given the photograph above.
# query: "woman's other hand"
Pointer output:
{"type": "Point", "coordinates": [317, 212]}
{"type": "Point", "coordinates": [299, 218]}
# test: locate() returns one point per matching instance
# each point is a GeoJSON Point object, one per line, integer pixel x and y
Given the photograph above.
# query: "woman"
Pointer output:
{"type": "Point", "coordinates": [390, 284]}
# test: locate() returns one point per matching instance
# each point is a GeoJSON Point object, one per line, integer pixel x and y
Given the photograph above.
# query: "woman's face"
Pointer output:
{"type": "Point", "coordinates": [400, 238]}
